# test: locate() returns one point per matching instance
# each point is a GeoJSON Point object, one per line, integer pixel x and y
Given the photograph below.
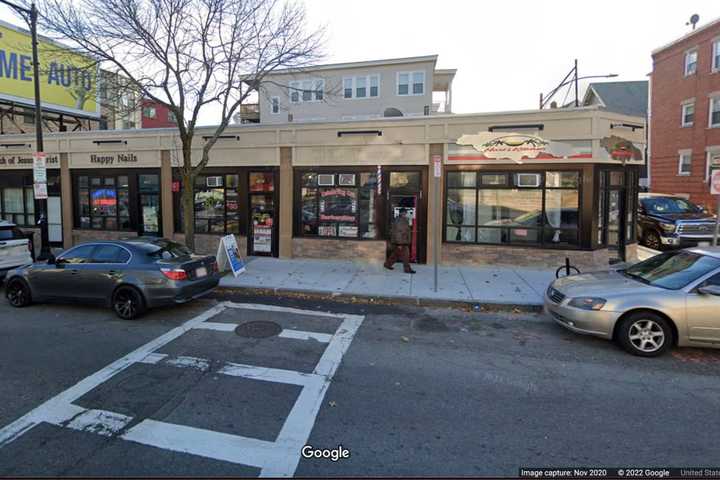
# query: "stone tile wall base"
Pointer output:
{"type": "Point", "coordinates": [327, 248]}
{"type": "Point", "coordinates": [489, 255]}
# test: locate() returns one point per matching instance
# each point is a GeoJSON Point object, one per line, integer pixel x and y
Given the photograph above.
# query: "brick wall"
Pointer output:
{"type": "Point", "coordinates": [327, 248]}
{"type": "Point", "coordinates": [204, 244]}
{"type": "Point", "coordinates": [208, 244]}
{"type": "Point", "coordinates": [80, 236]}
{"type": "Point", "coordinates": [489, 255]}
{"type": "Point", "coordinates": [670, 88]}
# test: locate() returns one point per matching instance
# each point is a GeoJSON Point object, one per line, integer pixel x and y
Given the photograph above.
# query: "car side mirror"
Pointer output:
{"type": "Point", "coordinates": [710, 290]}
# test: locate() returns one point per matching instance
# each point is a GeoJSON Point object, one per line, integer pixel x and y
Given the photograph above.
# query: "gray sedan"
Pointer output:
{"type": "Point", "coordinates": [669, 299]}
{"type": "Point", "coordinates": [129, 276]}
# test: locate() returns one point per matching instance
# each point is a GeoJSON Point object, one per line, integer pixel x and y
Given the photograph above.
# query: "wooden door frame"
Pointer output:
{"type": "Point", "coordinates": [421, 216]}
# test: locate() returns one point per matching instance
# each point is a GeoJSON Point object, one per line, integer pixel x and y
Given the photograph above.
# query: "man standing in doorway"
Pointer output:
{"type": "Point", "coordinates": [400, 239]}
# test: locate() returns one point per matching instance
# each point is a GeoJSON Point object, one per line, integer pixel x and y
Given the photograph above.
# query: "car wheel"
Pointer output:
{"type": "Point", "coordinates": [652, 240]}
{"type": "Point", "coordinates": [17, 293]}
{"type": "Point", "coordinates": [128, 303]}
{"type": "Point", "coordinates": [645, 334]}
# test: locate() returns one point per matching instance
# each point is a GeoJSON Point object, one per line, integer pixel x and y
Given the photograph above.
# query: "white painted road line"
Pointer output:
{"type": "Point", "coordinates": [220, 327]}
{"type": "Point", "coordinates": [205, 443]}
{"type": "Point", "coordinates": [189, 362]}
{"type": "Point", "coordinates": [301, 420]}
{"type": "Point", "coordinates": [300, 335]}
{"type": "Point", "coordinates": [275, 308]}
{"type": "Point", "coordinates": [286, 333]}
{"type": "Point", "coordinates": [60, 401]}
{"type": "Point", "coordinates": [100, 422]}
{"type": "Point", "coordinates": [153, 358]}
{"type": "Point", "coordinates": [279, 458]}
{"type": "Point", "coordinates": [270, 374]}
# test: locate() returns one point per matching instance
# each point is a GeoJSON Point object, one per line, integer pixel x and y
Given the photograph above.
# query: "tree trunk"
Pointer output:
{"type": "Point", "coordinates": [188, 202]}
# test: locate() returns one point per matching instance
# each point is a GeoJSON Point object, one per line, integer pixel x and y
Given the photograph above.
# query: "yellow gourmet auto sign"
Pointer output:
{"type": "Point", "coordinates": [67, 79]}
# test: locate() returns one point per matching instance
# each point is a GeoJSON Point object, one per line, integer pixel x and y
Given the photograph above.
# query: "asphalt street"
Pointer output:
{"type": "Point", "coordinates": [406, 390]}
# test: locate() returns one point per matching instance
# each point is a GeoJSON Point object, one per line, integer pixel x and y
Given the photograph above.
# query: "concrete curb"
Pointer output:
{"type": "Point", "coordinates": [378, 300]}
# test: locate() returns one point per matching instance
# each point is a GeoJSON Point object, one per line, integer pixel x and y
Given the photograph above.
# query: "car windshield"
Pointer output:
{"type": "Point", "coordinates": [6, 234]}
{"type": "Point", "coordinates": [670, 205]}
{"type": "Point", "coordinates": [673, 270]}
{"type": "Point", "coordinates": [167, 249]}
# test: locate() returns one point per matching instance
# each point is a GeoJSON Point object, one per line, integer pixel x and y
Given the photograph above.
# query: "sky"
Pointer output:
{"type": "Point", "coordinates": [506, 51]}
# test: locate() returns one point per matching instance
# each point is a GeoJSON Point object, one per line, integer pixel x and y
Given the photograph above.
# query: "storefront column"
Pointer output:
{"type": "Point", "coordinates": [286, 202]}
{"type": "Point", "coordinates": [166, 195]}
{"type": "Point", "coordinates": [434, 225]}
{"type": "Point", "coordinates": [66, 199]}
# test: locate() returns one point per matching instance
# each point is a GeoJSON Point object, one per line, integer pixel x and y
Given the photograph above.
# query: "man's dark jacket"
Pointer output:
{"type": "Point", "coordinates": [401, 232]}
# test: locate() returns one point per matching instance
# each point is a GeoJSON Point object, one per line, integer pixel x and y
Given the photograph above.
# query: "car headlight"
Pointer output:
{"type": "Point", "coordinates": [668, 227]}
{"type": "Point", "coordinates": [587, 303]}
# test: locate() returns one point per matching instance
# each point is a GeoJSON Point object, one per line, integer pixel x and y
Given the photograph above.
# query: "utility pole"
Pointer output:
{"type": "Point", "coordinates": [577, 94]}
{"type": "Point", "coordinates": [30, 15]}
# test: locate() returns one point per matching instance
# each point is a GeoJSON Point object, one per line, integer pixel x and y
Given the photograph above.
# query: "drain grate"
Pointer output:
{"type": "Point", "coordinates": [258, 329]}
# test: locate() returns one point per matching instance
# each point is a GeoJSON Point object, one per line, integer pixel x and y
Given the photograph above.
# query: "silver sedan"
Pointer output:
{"type": "Point", "coordinates": [670, 299]}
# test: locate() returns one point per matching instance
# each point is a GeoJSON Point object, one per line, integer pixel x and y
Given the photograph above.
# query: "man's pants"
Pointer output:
{"type": "Point", "coordinates": [402, 253]}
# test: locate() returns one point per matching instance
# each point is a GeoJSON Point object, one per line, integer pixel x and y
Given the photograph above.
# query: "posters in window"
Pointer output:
{"type": "Point", "coordinates": [338, 205]}
{"type": "Point", "coordinates": [262, 239]}
{"type": "Point", "coordinates": [327, 230]}
{"type": "Point", "coordinates": [150, 219]}
{"type": "Point", "coordinates": [350, 231]}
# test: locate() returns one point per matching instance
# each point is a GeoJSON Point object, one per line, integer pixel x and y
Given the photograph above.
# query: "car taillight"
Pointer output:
{"type": "Point", "coordinates": [174, 274]}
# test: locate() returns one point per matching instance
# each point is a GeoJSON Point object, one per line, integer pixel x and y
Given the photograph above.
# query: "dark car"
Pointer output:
{"type": "Point", "coordinates": [129, 276]}
{"type": "Point", "coordinates": [671, 221]}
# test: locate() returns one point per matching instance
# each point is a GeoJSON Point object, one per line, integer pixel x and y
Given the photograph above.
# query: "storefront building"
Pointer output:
{"type": "Point", "coordinates": [518, 188]}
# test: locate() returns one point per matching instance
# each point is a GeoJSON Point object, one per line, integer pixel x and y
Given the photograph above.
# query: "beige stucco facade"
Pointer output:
{"type": "Point", "coordinates": [383, 144]}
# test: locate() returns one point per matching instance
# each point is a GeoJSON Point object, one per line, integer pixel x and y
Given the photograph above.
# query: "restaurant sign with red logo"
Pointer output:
{"type": "Point", "coordinates": [491, 147]}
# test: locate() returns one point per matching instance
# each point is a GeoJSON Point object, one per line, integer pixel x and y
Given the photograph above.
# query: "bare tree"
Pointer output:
{"type": "Point", "coordinates": [189, 55]}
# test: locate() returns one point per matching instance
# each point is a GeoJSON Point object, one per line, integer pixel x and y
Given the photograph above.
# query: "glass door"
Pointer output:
{"type": "Point", "coordinates": [405, 191]}
{"type": "Point", "coordinates": [261, 238]}
{"type": "Point", "coordinates": [149, 201]}
{"type": "Point", "coordinates": [616, 216]}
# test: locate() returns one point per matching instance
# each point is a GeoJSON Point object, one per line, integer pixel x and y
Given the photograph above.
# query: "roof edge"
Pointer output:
{"type": "Point", "coordinates": [359, 64]}
{"type": "Point", "coordinates": [711, 23]}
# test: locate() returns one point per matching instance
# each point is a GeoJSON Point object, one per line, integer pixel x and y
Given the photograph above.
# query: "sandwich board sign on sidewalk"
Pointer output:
{"type": "Point", "coordinates": [228, 255]}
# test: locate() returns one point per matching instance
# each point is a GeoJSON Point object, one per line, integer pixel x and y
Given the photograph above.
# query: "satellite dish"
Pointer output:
{"type": "Point", "coordinates": [392, 112]}
{"type": "Point", "coordinates": [694, 19]}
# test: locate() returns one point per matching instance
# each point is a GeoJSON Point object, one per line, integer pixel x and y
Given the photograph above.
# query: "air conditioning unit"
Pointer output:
{"type": "Point", "coordinates": [214, 182]}
{"type": "Point", "coordinates": [527, 180]}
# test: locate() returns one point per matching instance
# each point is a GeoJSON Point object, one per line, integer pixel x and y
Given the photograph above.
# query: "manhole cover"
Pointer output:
{"type": "Point", "coordinates": [259, 329]}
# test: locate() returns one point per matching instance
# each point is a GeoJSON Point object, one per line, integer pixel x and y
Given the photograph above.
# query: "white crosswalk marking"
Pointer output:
{"type": "Point", "coordinates": [278, 458]}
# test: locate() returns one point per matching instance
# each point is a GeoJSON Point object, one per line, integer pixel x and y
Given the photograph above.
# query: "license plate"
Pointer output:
{"type": "Point", "coordinates": [201, 272]}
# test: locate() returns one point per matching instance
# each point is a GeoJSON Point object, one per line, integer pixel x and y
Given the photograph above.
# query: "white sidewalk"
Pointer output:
{"type": "Point", "coordinates": [492, 285]}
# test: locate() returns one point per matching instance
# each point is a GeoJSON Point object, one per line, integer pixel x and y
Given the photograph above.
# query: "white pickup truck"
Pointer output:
{"type": "Point", "coordinates": [14, 248]}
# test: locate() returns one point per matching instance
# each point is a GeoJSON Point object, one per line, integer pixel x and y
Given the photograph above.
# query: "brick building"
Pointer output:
{"type": "Point", "coordinates": [685, 114]}
{"type": "Point", "coordinates": [156, 115]}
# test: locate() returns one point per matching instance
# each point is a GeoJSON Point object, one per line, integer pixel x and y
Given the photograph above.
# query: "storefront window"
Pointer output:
{"type": "Point", "coordinates": [341, 205]}
{"type": "Point", "coordinates": [217, 204]}
{"type": "Point", "coordinates": [118, 201]}
{"type": "Point", "coordinates": [519, 208]}
{"type": "Point", "coordinates": [104, 202]}
{"type": "Point", "coordinates": [17, 200]}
